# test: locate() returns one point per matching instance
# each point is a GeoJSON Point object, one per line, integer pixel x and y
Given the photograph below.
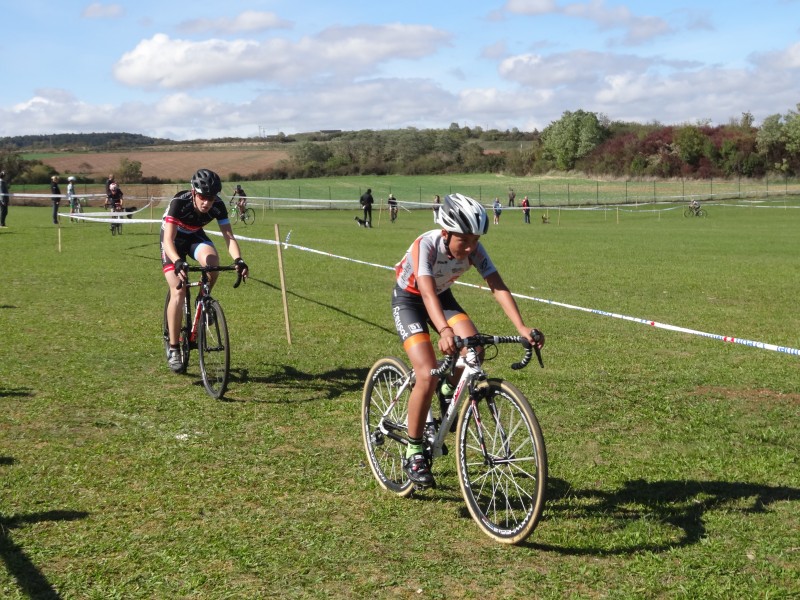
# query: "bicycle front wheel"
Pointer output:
{"type": "Point", "coordinates": [234, 216]}
{"type": "Point", "coordinates": [688, 212]}
{"type": "Point", "coordinates": [502, 462]}
{"type": "Point", "coordinates": [213, 349]}
{"type": "Point", "coordinates": [384, 423]}
{"type": "Point", "coordinates": [249, 216]}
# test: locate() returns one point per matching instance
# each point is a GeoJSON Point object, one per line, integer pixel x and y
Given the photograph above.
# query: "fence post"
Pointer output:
{"type": "Point", "coordinates": [567, 194]}
{"type": "Point", "coordinates": [626, 191]}
{"type": "Point", "coordinates": [597, 195]}
{"type": "Point", "coordinates": [540, 194]}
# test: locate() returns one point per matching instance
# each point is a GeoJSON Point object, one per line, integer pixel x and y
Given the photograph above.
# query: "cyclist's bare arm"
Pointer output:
{"type": "Point", "coordinates": [427, 290]}
{"type": "Point", "coordinates": [506, 301]}
{"type": "Point", "coordinates": [170, 231]}
{"type": "Point", "coordinates": [232, 245]}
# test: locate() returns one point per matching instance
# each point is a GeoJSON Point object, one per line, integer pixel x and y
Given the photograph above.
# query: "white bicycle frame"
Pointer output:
{"type": "Point", "coordinates": [473, 371]}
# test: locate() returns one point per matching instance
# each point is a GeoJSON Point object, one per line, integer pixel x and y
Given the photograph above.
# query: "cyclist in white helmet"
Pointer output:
{"type": "Point", "coordinates": [422, 297]}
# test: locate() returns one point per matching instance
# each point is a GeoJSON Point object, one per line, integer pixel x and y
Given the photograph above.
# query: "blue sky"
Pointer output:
{"type": "Point", "coordinates": [202, 69]}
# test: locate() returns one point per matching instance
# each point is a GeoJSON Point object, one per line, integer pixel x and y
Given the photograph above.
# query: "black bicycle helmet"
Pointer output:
{"type": "Point", "coordinates": [206, 182]}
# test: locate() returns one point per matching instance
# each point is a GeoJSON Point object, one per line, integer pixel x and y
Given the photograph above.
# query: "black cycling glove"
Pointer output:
{"type": "Point", "coordinates": [240, 265]}
{"type": "Point", "coordinates": [181, 266]}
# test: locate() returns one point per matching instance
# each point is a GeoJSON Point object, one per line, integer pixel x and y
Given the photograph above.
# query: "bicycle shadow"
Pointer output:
{"type": "Point", "coordinates": [680, 505]}
{"type": "Point", "coordinates": [319, 386]}
{"type": "Point", "coordinates": [31, 581]}
{"type": "Point", "coordinates": [358, 318]}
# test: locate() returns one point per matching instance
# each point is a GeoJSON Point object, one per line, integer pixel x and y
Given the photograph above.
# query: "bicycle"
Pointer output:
{"type": "Point", "coordinates": [206, 330]}
{"type": "Point", "coordinates": [248, 217]}
{"type": "Point", "coordinates": [393, 213]}
{"type": "Point", "coordinates": [500, 452]}
{"type": "Point", "coordinates": [116, 228]}
{"type": "Point", "coordinates": [695, 212]}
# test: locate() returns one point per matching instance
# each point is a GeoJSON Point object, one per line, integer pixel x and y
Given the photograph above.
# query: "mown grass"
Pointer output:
{"type": "Point", "coordinates": [673, 458]}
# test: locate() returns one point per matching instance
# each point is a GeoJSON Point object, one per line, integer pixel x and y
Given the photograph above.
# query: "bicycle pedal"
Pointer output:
{"type": "Point", "coordinates": [418, 487]}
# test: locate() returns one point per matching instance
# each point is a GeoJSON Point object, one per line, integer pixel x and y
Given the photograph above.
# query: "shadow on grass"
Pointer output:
{"type": "Point", "coordinates": [303, 387]}
{"type": "Point", "coordinates": [678, 505]}
{"type": "Point", "coordinates": [29, 578]}
{"type": "Point", "coordinates": [15, 392]}
{"type": "Point", "coordinates": [324, 305]}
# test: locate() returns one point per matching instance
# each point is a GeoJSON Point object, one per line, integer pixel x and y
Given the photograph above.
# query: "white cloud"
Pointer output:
{"type": "Point", "coordinates": [161, 62]}
{"type": "Point", "coordinates": [637, 29]}
{"type": "Point", "coordinates": [103, 11]}
{"type": "Point", "coordinates": [247, 22]}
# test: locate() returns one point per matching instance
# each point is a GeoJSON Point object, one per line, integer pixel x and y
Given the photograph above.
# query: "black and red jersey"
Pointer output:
{"type": "Point", "coordinates": [182, 212]}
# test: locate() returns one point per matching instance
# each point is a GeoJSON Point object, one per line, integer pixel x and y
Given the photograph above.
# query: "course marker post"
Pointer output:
{"type": "Point", "coordinates": [283, 285]}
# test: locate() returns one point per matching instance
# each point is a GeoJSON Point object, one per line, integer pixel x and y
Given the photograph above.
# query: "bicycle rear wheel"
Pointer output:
{"type": "Point", "coordinates": [213, 349]}
{"type": "Point", "coordinates": [384, 423]}
{"type": "Point", "coordinates": [701, 212]}
{"type": "Point", "coordinates": [183, 341]}
{"type": "Point", "coordinates": [249, 216]}
{"type": "Point", "coordinates": [504, 488]}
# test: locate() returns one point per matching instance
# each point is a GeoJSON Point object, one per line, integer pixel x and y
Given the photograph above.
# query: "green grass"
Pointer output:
{"type": "Point", "coordinates": [673, 458]}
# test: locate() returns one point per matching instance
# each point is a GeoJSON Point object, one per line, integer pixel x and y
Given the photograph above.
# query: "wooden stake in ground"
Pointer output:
{"type": "Point", "coordinates": [283, 285]}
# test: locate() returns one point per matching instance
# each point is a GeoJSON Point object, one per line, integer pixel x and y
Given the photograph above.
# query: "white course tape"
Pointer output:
{"type": "Point", "coordinates": [723, 338]}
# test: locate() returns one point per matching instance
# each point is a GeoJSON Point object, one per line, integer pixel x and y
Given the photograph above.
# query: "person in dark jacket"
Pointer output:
{"type": "Point", "coordinates": [366, 203]}
{"type": "Point", "coordinates": [56, 197]}
{"type": "Point", "coordinates": [3, 198]}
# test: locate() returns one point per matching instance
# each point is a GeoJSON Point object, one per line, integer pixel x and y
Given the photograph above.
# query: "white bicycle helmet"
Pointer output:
{"type": "Point", "coordinates": [462, 214]}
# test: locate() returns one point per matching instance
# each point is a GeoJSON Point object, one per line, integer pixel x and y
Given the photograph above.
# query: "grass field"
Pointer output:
{"type": "Point", "coordinates": [674, 458]}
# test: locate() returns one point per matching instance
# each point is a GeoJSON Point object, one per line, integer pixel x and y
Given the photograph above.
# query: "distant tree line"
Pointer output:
{"type": "Point", "coordinates": [579, 141]}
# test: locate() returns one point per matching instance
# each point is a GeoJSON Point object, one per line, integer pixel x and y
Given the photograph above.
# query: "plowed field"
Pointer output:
{"type": "Point", "coordinates": [174, 165]}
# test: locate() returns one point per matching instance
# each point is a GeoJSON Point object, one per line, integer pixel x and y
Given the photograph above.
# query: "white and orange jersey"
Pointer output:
{"type": "Point", "coordinates": [428, 256]}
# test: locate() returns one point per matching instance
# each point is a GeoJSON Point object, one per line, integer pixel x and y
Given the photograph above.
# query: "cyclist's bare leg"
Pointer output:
{"type": "Point", "coordinates": [175, 308]}
{"type": "Point", "coordinates": [207, 256]}
{"type": "Point", "coordinates": [423, 359]}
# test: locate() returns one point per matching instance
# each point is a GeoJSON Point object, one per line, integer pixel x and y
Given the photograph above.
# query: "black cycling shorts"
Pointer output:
{"type": "Point", "coordinates": [411, 317]}
{"type": "Point", "coordinates": [186, 244]}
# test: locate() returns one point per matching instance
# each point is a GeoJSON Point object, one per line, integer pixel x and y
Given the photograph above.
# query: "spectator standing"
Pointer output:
{"type": "Point", "coordinates": [3, 198]}
{"type": "Point", "coordinates": [392, 202]}
{"type": "Point", "coordinates": [437, 202]}
{"type": "Point", "coordinates": [511, 196]}
{"type": "Point", "coordinates": [56, 197]}
{"type": "Point", "coordinates": [526, 211]}
{"type": "Point", "coordinates": [71, 198]}
{"type": "Point", "coordinates": [498, 208]}
{"type": "Point", "coordinates": [366, 203]}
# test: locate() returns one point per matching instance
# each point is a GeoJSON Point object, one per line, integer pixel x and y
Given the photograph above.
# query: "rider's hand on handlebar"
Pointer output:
{"type": "Point", "coordinates": [537, 338]}
{"type": "Point", "coordinates": [241, 268]}
{"type": "Point", "coordinates": [447, 344]}
{"type": "Point", "coordinates": [181, 269]}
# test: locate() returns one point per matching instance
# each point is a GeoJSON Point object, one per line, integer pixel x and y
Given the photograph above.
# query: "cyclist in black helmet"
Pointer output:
{"type": "Point", "coordinates": [182, 235]}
